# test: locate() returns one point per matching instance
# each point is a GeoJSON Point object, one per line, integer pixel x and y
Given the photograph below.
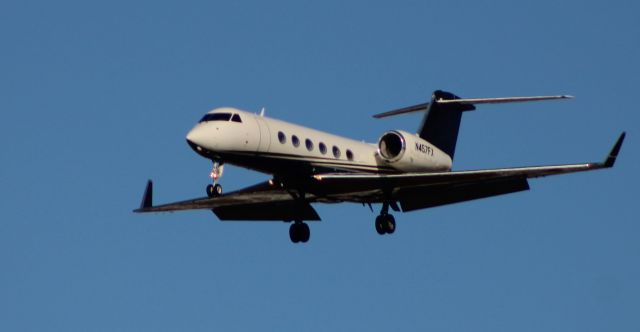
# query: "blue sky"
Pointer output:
{"type": "Point", "coordinates": [97, 97]}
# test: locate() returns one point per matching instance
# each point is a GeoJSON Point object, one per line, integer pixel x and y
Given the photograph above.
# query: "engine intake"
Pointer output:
{"type": "Point", "coordinates": [410, 153]}
{"type": "Point", "coordinates": [391, 146]}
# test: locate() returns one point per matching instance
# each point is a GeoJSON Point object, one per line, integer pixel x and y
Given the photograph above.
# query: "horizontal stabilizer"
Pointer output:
{"type": "Point", "coordinates": [470, 101]}
{"type": "Point", "coordinates": [502, 100]}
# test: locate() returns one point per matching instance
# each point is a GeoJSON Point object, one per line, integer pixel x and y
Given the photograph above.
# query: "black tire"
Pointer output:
{"type": "Point", "coordinates": [390, 224]}
{"type": "Point", "coordinates": [305, 233]}
{"type": "Point", "coordinates": [217, 190]}
{"type": "Point", "coordinates": [379, 225]}
{"type": "Point", "coordinates": [294, 233]}
{"type": "Point", "coordinates": [210, 190]}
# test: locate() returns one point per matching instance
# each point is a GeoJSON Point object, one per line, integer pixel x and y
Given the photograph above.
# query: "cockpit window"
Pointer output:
{"type": "Point", "coordinates": [217, 117]}
{"type": "Point", "coordinates": [236, 118]}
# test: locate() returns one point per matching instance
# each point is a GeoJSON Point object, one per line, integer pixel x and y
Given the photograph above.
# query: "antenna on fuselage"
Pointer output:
{"type": "Point", "coordinates": [262, 111]}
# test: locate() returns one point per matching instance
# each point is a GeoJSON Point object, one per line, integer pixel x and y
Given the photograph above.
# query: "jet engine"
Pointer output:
{"type": "Point", "coordinates": [409, 153]}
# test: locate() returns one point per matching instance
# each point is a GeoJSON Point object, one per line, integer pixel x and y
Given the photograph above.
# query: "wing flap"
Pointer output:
{"type": "Point", "coordinates": [282, 211]}
{"type": "Point", "coordinates": [421, 198]}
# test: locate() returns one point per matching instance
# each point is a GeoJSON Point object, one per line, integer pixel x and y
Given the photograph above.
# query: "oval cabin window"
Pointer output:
{"type": "Point", "coordinates": [323, 148]}
{"type": "Point", "coordinates": [350, 155]}
{"type": "Point", "coordinates": [336, 152]}
{"type": "Point", "coordinates": [282, 138]}
{"type": "Point", "coordinates": [295, 141]}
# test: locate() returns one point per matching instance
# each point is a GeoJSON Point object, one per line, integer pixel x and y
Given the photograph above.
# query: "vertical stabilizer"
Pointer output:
{"type": "Point", "coordinates": [441, 122]}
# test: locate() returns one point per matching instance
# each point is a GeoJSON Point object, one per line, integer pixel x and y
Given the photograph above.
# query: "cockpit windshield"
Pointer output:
{"type": "Point", "coordinates": [216, 117]}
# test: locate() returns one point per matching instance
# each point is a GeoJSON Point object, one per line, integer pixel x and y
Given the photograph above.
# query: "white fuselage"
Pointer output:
{"type": "Point", "coordinates": [277, 147]}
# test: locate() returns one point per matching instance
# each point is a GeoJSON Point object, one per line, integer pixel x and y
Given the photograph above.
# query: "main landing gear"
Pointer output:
{"type": "Point", "coordinates": [385, 222]}
{"type": "Point", "coordinates": [299, 232]}
{"type": "Point", "coordinates": [215, 189]}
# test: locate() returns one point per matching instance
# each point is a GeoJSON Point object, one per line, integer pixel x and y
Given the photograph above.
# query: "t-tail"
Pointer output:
{"type": "Point", "coordinates": [441, 122]}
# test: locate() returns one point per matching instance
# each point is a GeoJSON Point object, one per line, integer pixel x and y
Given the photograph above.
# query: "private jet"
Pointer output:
{"type": "Point", "coordinates": [403, 171]}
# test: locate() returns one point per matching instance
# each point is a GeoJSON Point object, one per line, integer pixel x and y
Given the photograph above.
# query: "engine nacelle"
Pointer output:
{"type": "Point", "coordinates": [410, 153]}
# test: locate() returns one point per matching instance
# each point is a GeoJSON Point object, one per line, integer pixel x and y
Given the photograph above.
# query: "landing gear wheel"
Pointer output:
{"type": "Point", "coordinates": [390, 224]}
{"type": "Point", "coordinates": [385, 224]}
{"type": "Point", "coordinates": [305, 233]}
{"type": "Point", "coordinates": [299, 232]}
{"type": "Point", "coordinates": [214, 190]}
{"type": "Point", "coordinates": [293, 233]}
{"type": "Point", "coordinates": [379, 226]}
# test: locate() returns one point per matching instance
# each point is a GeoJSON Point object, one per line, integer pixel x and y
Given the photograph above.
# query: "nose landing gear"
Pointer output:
{"type": "Point", "coordinates": [215, 189]}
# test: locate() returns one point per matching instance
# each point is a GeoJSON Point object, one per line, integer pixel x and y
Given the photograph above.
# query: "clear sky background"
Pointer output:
{"type": "Point", "coordinates": [98, 97]}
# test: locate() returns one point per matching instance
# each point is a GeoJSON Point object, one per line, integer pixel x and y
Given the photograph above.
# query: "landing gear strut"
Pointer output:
{"type": "Point", "coordinates": [215, 189]}
{"type": "Point", "coordinates": [299, 232]}
{"type": "Point", "coordinates": [385, 222]}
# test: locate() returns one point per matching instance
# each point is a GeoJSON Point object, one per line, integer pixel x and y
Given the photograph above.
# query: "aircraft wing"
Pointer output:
{"type": "Point", "coordinates": [422, 190]}
{"type": "Point", "coordinates": [272, 201]}
{"type": "Point", "coordinates": [264, 201]}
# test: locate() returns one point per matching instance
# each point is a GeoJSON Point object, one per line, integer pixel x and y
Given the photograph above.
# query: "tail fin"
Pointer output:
{"type": "Point", "coordinates": [441, 122]}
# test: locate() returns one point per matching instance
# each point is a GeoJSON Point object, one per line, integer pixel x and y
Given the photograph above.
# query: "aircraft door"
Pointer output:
{"type": "Point", "coordinates": [251, 138]}
{"type": "Point", "coordinates": [265, 134]}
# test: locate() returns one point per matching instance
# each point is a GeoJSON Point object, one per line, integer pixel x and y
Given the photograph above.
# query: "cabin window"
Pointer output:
{"type": "Point", "coordinates": [349, 155]}
{"type": "Point", "coordinates": [323, 148]}
{"type": "Point", "coordinates": [236, 118]}
{"type": "Point", "coordinates": [336, 152]}
{"type": "Point", "coordinates": [295, 141]}
{"type": "Point", "coordinates": [216, 117]}
{"type": "Point", "coordinates": [282, 137]}
{"type": "Point", "coordinates": [309, 144]}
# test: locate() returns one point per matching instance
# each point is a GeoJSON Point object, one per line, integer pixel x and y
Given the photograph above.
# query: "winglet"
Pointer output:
{"type": "Point", "coordinates": [147, 198]}
{"type": "Point", "coordinates": [611, 158]}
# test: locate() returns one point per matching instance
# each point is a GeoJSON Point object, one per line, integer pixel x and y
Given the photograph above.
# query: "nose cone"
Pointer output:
{"type": "Point", "coordinates": [196, 135]}
{"type": "Point", "coordinates": [196, 138]}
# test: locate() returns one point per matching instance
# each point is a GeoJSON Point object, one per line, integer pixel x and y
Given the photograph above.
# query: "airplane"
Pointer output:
{"type": "Point", "coordinates": [403, 171]}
